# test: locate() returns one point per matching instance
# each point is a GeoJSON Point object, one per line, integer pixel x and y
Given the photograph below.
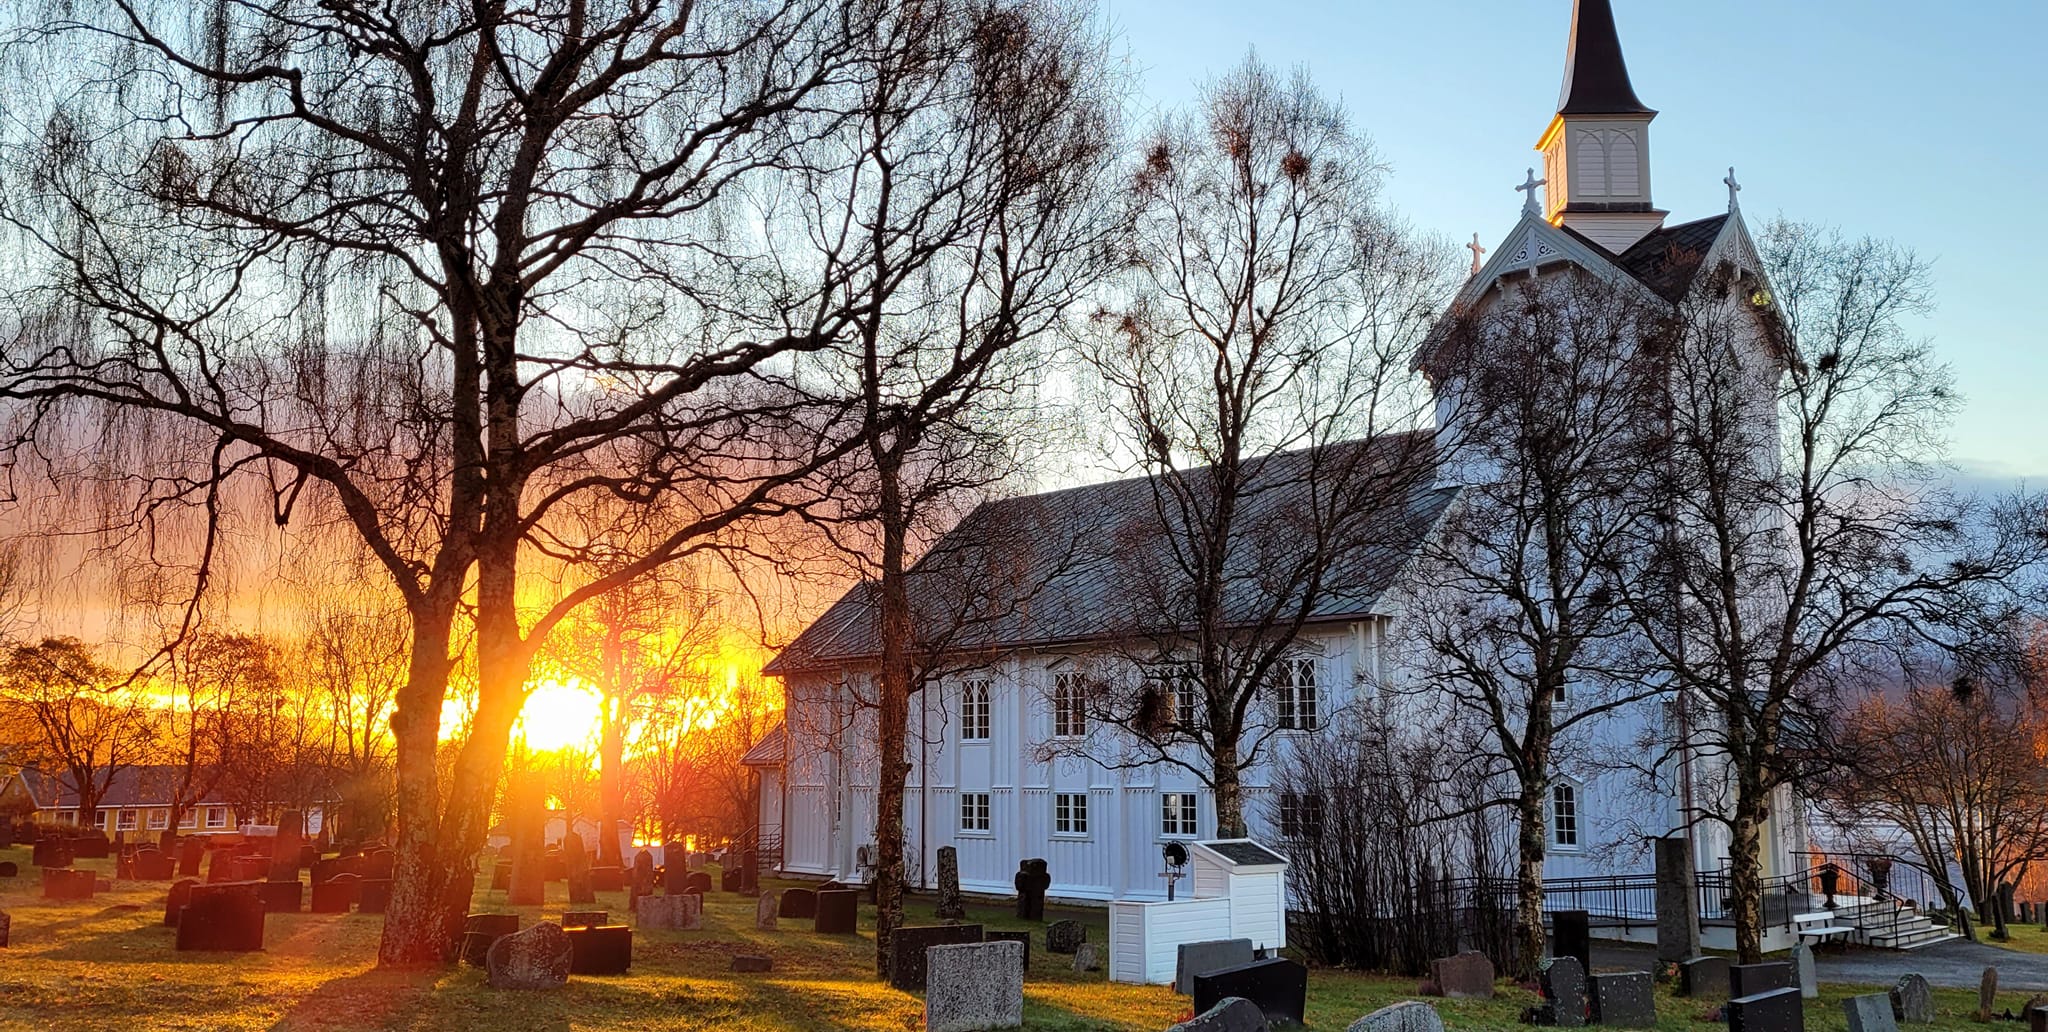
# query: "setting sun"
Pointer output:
{"type": "Point", "coordinates": [560, 715]}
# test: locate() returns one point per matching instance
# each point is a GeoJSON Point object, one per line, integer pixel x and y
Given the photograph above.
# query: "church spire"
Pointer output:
{"type": "Point", "coordinates": [1596, 153]}
{"type": "Point", "coordinates": [1595, 74]}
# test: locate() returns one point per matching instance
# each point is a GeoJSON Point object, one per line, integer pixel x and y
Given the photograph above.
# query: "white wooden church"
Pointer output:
{"type": "Point", "coordinates": [1000, 769]}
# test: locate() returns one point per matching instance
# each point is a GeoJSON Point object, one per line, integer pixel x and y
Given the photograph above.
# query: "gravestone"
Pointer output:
{"type": "Point", "coordinates": [1466, 976]}
{"type": "Point", "coordinates": [838, 912]}
{"type": "Point", "coordinates": [180, 894]}
{"type": "Point", "coordinates": [1088, 956]}
{"type": "Point", "coordinates": [1031, 880]}
{"type": "Point", "coordinates": [1279, 986]}
{"type": "Point", "coordinates": [950, 907]}
{"type": "Point", "coordinates": [605, 878]}
{"type": "Point", "coordinates": [227, 918]}
{"type": "Point", "coordinates": [752, 963]}
{"type": "Point", "coordinates": [373, 895]}
{"type": "Point", "coordinates": [643, 872]}
{"type": "Point", "coordinates": [729, 878]}
{"type": "Point", "coordinates": [2036, 1016]}
{"type": "Point", "coordinates": [1912, 1000]}
{"type": "Point", "coordinates": [1678, 914]}
{"type": "Point", "coordinates": [1406, 1016]}
{"type": "Point", "coordinates": [750, 872]}
{"type": "Point", "coordinates": [1019, 937]}
{"type": "Point", "coordinates": [1231, 1015]}
{"type": "Point", "coordinates": [974, 986]}
{"type": "Point", "coordinates": [1804, 974]}
{"type": "Point", "coordinates": [765, 910]}
{"type": "Point", "coordinates": [501, 875]}
{"type": "Point", "coordinates": [578, 862]}
{"type": "Point", "coordinates": [1572, 936]}
{"type": "Point", "coordinates": [1201, 958]}
{"type": "Point", "coordinates": [536, 958]}
{"type": "Point", "coordinates": [799, 904]}
{"type": "Point", "coordinates": [675, 870]}
{"type": "Point", "coordinates": [1703, 978]}
{"type": "Point", "coordinates": [1562, 981]}
{"type": "Point", "coordinates": [336, 895]}
{"type": "Point", "coordinates": [1752, 979]}
{"type": "Point", "coordinates": [284, 848]}
{"type": "Point", "coordinates": [1987, 993]}
{"type": "Point", "coordinates": [1870, 1013]}
{"type": "Point", "coordinates": [600, 949]}
{"type": "Point", "coordinates": [585, 918]}
{"type": "Point", "coordinates": [154, 865]}
{"type": "Point", "coordinates": [698, 882]}
{"type": "Point", "coordinates": [1775, 1010]}
{"type": "Point", "coordinates": [907, 951]}
{"type": "Point", "coordinates": [6, 928]}
{"type": "Point", "coordinates": [1065, 936]}
{"type": "Point", "coordinates": [68, 883]}
{"type": "Point", "coordinates": [251, 867]}
{"type": "Point", "coordinates": [479, 931]}
{"type": "Point", "coordinates": [281, 897]}
{"type": "Point", "coordinates": [669, 913]}
{"type": "Point", "coordinates": [1624, 1000]}
{"type": "Point", "coordinates": [9, 869]}
{"type": "Point", "coordinates": [50, 852]}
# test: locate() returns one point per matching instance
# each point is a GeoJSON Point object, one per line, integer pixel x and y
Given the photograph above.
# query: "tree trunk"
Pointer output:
{"type": "Point", "coordinates": [1745, 873]}
{"type": "Point", "coordinates": [1530, 940]}
{"type": "Point", "coordinates": [893, 692]}
{"type": "Point", "coordinates": [611, 776]}
{"type": "Point", "coordinates": [1229, 790]}
{"type": "Point", "coordinates": [413, 932]}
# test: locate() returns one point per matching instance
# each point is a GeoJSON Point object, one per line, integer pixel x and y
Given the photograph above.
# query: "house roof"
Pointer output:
{"type": "Point", "coordinates": [1595, 74]}
{"type": "Point", "coordinates": [771, 751]}
{"type": "Point", "coordinates": [1243, 853]}
{"type": "Point", "coordinates": [1669, 258]}
{"type": "Point", "coordinates": [1096, 562]}
{"type": "Point", "coordinates": [146, 785]}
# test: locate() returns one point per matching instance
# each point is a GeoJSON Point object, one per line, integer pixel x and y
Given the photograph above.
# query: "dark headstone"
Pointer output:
{"type": "Point", "coordinates": [335, 895]}
{"type": "Point", "coordinates": [584, 918]}
{"type": "Point", "coordinates": [1563, 984]}
{"type": "Point", "coordinates": [535, 958]}
{"type": "Point", "coordinates": [68, 883]}
{"type": "Point", "coordinates": [607, 879]}
{"type": "Point", "coordinates": [281, 897]}
{"type": "Point", "coordinates": [838, 912]}
{"type": "Point", "coordinates": [729, 878]}
{"type": "Point", "coordinates": [1777, 1010]}
{"type": "Point", "coordinates": [1624, 1000]}
{"type": "Point", "coordinates": [373, 895]}
{"type": "Point", "coordinates": [697, 881]}
{"type": "Point", "coordinates": [1572, 936]}
{"type": "Point", "coordinates": [6, 928]}
{"type": "Point", "coordinates": [153, 865]}
{"type": "Point", "coordinates": [600, 949]}
{"type": "Point", "coordinates": [1912, 1000]}
{"type": "Point", "coordinates": [800, 904]}
{"type": "Point", "coordinates": [752, 963]}
{"type": "Point", "coordinates": [50, 852]}
{"type": "Point", "coordinates": [1752, 979]}
{"type": "Point", "coordinates": [554, 864]}
{"type": "Point", "coordinates": [1870, 1013]}
{"type": "Point", "coordinates": [577, 874]}
{"type": "Point", "coordinates": [907, 946]}
{"type": "Point", "coordinates": [950, 907]}
{"type": "Point", "coordinates": [1023, 937]}
{"type": "Point", "coordinates": [9, 869]}
{"type": "Point", "coordinates": [675, 871]}
{"type": "Point", "coordinates": [1232, 1015]}
{"type": "Point", "coordinates": [1467, 976]}
{"type": "Point", "coordinates": [501, 875]}
{"type": "Point", "coordinates": [284, 849]}
{"type": "Point", "coordinates": [180, 894]}
{"type": "Point", "coordinates": [1987, 993]}
{"type": "Point", "coordinates": [479, 931]}
{"type": "Point", "coordinates": [227, 917]}
{"type": "Point", "coordinates": [643, 872]}
{"type": "Point", "coordinates": [1279, 987]}
{"type": "Point", "coordinates": [252, 867]}
{"type": "Point", "coordinates": [1703, 978]}
{"type": "Point", "coordinates": [1032, 880]}
{"type": "Point", "coordinates": [1065, 936]}
{"type": "Point", "coordinates": [1201, 958]}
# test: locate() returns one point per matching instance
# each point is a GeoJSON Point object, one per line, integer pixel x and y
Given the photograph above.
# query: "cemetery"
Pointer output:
{"type": "Point", "coordinates": [149, 952]}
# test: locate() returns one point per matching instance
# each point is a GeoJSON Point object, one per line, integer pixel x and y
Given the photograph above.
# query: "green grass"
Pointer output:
{"type": "Point", "coordinates": [100, 965]}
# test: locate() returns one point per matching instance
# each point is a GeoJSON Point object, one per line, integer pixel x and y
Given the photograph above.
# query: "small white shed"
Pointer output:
{"type": "Point", "coordinates": [1239, 892]}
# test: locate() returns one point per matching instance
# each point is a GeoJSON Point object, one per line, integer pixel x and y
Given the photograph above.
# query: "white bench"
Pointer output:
{"type": "Point", "coordinates": [1819, 926]}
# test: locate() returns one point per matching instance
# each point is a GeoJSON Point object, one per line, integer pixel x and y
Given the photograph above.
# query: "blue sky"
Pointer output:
{"type": "Point", "coordinates": [1919, 122]}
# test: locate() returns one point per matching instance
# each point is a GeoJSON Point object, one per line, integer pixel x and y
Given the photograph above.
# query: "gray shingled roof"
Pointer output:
{"type": "Point", "coordinates": [1668, 259]}
{"type": "Point", "coordinates": [146, 785]}
{"type": "Point", "coordinates": [1093, 562]}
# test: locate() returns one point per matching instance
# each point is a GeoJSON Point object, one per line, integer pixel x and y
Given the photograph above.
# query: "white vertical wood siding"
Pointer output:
{"type": "Point", "coordinates": [1145, 938]}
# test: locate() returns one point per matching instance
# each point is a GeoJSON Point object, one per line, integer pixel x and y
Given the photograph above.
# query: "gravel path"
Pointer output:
{"type": "Point", "coordinates": [1956, 964]}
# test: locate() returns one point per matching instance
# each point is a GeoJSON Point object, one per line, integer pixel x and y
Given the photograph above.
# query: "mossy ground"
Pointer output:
{"type": "Point", "coordinates": [100, 965]}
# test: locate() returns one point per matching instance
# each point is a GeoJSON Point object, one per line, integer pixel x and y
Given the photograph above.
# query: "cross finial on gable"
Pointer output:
{"type": "Point", "coordinates": [1734, 204]}
{"type": "Point", "coordinates": [1478, 253]}
{"type": "Point", "coordinates": [1529, 205]}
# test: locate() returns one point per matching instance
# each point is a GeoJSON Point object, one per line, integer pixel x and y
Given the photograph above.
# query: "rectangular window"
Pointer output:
{"type": "Point", "coordinates": [101, 819]}
{"type": "Point", "coordinates": [128, 821]}
{"type": "Point", "coordinates": [1069, 717]}
{"type": "Point", "coordinates": [190, 819]}
{"type": "Point", "coordinates": [216, 816]}
{"type": "Point", "coordinates": [974, 811]}
{"type": "Point", "coordinates": [68, 817]}
{"type": "Point", "coordinates": [1295, 695]}
{"type": "Point", "coordinates": [974, 711]}
{"type": "Point", "coordinates": [159, 820]}
{"type": "Point", "coordinates": [1301, 815]}
{"type": "Point", "coordinates": [1070, 813]}
{"type": "Point", "coordinates": [1177, 813]}
{"type": "Point", "coordinates": [1564, 816]}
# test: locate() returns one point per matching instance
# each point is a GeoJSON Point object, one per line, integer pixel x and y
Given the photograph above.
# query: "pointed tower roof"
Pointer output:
{"type": "Point", "coordinates": [1595, 75]}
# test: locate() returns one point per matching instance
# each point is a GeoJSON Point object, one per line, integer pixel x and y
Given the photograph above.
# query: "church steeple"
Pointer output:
{"type": "Point", "coordinates": [1596, 153]}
